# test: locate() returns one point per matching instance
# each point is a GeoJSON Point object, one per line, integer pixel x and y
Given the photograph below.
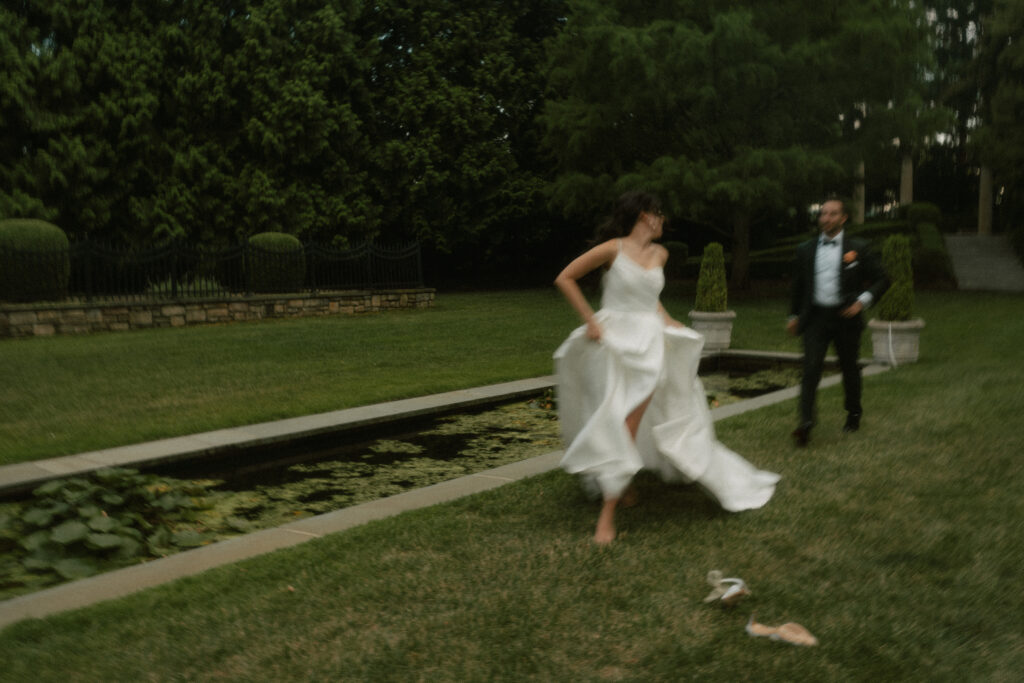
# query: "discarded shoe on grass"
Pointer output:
{"type": "Point", "coordinates": [790, 632]}
{"type": "Point", "coordinates": [727, 591]}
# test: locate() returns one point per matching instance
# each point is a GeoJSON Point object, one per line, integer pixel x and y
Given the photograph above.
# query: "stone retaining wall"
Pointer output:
{"type": "Point", "coordinates": [42, 320]}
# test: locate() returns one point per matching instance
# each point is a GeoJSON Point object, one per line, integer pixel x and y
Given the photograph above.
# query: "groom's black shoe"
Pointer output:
{"type": "Point", "coordinates": [802, 434]}
{"type": "Point", "coordinates": [852, 422]}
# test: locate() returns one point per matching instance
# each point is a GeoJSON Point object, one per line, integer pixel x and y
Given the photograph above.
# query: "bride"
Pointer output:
{"type": "Point", "coordinates": [628, 393]}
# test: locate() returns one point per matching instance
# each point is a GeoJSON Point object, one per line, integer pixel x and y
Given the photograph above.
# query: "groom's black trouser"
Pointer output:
{"type": "Point", "coordinates": [824, 327]}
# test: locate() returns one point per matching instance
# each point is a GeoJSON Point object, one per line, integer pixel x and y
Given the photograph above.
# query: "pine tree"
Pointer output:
{"type": "Point", "coordinates": [728, 110]}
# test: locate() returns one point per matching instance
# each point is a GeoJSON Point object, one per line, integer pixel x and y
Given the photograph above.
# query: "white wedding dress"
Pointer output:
{"type": "Point", "coordinates": [600, 383]}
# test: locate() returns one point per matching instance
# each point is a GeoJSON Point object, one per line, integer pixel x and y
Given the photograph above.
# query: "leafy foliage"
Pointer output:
{"type": "Point", "coordinates": [712, 291]}
{"type": "Point", "coordinates": [277, 262]}
{"type": "Point", "coordinates": [73, 528]}
{"type": "Point", "coordinates": [999, 71]}
{"type": "Point", "coordinates": [210, 122]}
{"type": "Point", "coordinates": [898, 302]}
{"type": "Point", "coordinates": [34, 261]}
{"type": "Point", "coordinates": [728, 111]}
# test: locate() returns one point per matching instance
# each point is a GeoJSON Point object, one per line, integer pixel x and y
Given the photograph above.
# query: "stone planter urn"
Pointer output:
{"type": "Point", "coordinates": [895, 341]}
{"type": "Point", "coordinates": [716, 328]}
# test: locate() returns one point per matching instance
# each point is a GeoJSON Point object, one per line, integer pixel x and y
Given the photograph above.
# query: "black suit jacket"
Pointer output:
{"type": "Point", "coordinates": [861, 271]}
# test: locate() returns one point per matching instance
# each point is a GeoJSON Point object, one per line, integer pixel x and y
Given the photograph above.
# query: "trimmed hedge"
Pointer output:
{"type": "Point", "coordinates": [898, 302]}
{"type": "Point", "coordinates": [42, 267]}
{"type": "Point", "coordinates": [712, 292]}
{"type": "Point", "coordinates": [277, 263]}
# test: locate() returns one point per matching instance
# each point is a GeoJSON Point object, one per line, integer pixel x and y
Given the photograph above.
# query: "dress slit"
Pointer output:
{"type": "Point", "coordinates": [639, 360]}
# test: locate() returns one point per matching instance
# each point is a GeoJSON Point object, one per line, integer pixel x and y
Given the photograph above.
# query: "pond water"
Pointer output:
{"type": "Point", "coordinates": [263, 488]}
{"type": "Point", "coordinates": [330, 473]}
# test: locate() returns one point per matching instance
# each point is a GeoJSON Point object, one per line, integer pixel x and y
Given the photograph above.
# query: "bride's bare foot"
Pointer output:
{"type": "Point", "coordinates": [605, 532]}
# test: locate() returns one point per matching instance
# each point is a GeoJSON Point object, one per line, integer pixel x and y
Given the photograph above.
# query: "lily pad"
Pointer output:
{"type": "Point", "coordinates": [35, 541]}
{"type": "Point", "coordinates": [40, 517]}
{"type": "Point", "coordinates": [74, 568]}
{"type": "Point", "coordinates": [189, 539]}
{"type": "Point", "coordinates": [103, 523]}
{"type": "Point", "coordinates": [70, 531]}
{"type": "Point", "coordinates": [104, 541]}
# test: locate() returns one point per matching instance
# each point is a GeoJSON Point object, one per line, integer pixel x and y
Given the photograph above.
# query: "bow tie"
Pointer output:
{"type": "Point", "coordinates": [830, 243]}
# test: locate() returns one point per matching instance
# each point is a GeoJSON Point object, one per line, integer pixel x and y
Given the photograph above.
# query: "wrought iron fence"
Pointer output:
{"type": "Point", "coordinates": [174, 271]}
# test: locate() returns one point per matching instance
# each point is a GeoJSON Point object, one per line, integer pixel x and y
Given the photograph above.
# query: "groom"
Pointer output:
{"type": "Point", "coordinates": [835, 278]}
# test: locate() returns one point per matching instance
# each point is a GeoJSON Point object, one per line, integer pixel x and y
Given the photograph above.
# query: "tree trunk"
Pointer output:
{"type": "Point", "coordinates": [740, 277]}
{"type": "Point", "coordinates": [907, 179]}
{"type": "Point", "coordinates": [858, 195]}
{"type": "Point", "coordinates": [985, 201]}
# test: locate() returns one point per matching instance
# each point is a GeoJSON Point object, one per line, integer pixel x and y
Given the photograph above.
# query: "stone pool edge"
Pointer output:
{"type": "Point", "coordinates": [122, 582]}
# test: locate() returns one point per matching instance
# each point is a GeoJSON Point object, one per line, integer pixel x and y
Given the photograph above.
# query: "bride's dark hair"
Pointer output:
{"type": "Point", "coordinates": [625, 214]}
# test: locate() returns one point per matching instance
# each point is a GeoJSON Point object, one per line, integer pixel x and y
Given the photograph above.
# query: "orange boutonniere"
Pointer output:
{"type": "Point", "coordinates": [849, 257]}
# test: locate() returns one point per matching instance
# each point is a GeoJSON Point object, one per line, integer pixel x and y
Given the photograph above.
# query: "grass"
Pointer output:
{"type": "Point", "coordinates": [66, 395]}
{"type": "Point", "coordinates": [899, 547]}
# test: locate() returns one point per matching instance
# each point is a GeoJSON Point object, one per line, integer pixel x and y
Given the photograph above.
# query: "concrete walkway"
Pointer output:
{"type": "Point", "coordinates": [985, 263]}
{"type": "Point", "coordinates": [129, 580]}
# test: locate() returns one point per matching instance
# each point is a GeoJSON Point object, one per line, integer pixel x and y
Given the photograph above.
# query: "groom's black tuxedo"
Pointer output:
{"type": "Point", "coordinates": [862, 274]}
{"type": "Point", "coordinates": [821, 325]}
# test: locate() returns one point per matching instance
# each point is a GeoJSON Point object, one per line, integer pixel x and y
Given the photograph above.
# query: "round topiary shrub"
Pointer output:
{"type": "Point", "coordinates": [277, 262]}
{"type": "Point", "coordinates": [898, 301]}
{"type": "Point", "coordinates": [712, 293]}
{"type": "Point", "coordinates": [35, 262]}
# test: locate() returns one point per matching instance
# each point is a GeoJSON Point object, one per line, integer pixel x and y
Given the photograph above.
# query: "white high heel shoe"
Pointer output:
{"type": "Point", "coordinates": [727, 591]}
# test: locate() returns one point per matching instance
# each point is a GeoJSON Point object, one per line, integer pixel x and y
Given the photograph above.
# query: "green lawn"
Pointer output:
{"type": "Point", "coordinates": [65, 395]}
{"type": "Point", "coordinates": [899, 547]}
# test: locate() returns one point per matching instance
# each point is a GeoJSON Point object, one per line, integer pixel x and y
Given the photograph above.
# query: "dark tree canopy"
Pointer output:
{"type": "Point", "coordinates": [339, 121]}
{"type": "Point", "coordinates": [485, 128]}
{"type": "Point", "coordinates": [729, 110]}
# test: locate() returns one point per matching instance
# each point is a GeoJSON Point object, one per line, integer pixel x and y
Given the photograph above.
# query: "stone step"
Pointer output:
{"type": "Point", "coordinates": [985, 263]}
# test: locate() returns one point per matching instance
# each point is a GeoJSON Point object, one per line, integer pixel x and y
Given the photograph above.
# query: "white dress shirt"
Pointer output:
{"type": "Point", "coordinates": [828, 262]}
{"type": "Point", "coordinates": [828, 265]}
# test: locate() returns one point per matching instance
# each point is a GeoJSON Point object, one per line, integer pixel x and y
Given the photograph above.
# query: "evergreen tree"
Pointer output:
{"type": "Point", "coordinates": [17, 188]}
{"type": "Point", "coordinates": [1001, 72]}
{"type": "Point", "coordinates": [77, 110]}
{"type": "Point", "coordinates": [728, 110]}
{"type": "Point", "coordinates": [143, 122]}
{"type": "Point", "coordinates": [451, 85]}
{"type": "Point", "coordinates": [258, 130]}
{"type": "Point", "coordinates": [951, 161]}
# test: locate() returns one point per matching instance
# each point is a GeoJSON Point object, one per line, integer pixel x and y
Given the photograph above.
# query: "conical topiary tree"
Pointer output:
{"type": "Point", "coordinates": [898, 301]}
{"type": "Point", "coordinates": [712, 292]}
{"type": "Point", "coordinates": [709, 316]}
{"type": "Point", "coordinates": [894, 335]}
